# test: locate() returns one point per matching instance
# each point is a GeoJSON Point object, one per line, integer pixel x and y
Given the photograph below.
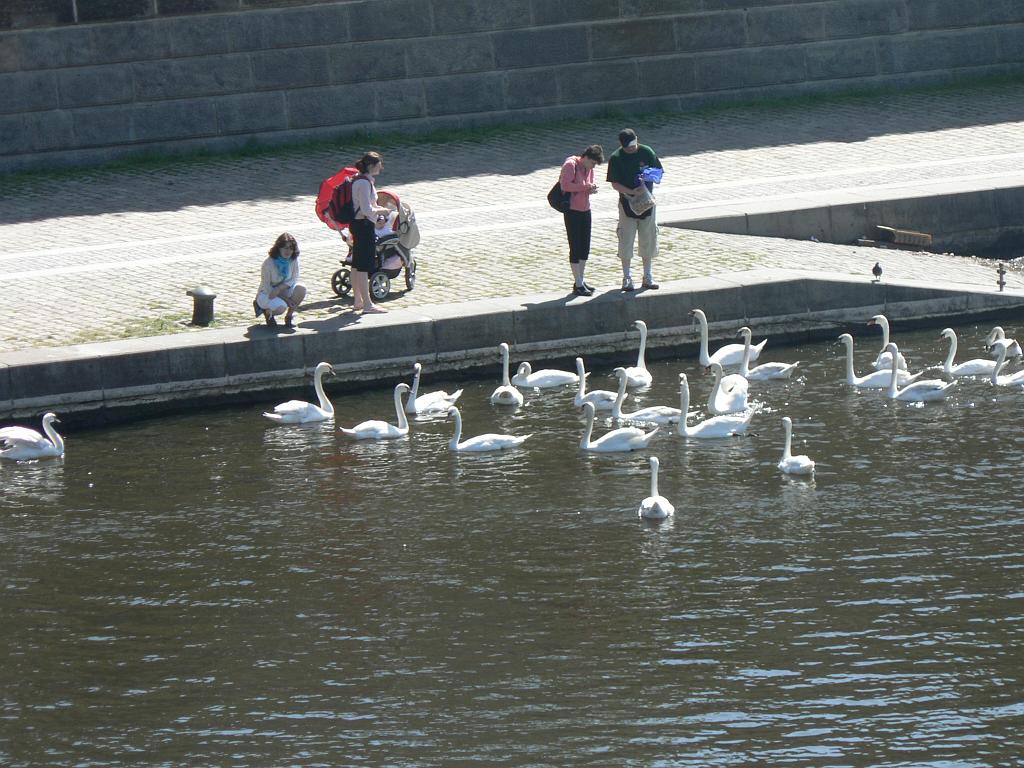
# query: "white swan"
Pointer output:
{"type": "Point", "coordinates": [506, 394]}
{"type": "Point", "coordinates": [1011, 380]}
{"type": "Point", "coordinates": [545, 378]}
{"type": "Point", "coordinates": [790, 464]}
{"type": "Point", "coordinates": [601, 399]}
{"type": "Point", "coordinates": [714, 427]}
{"type": "Point", "coordinates": [997, 337]}
{"type": "Point", "coordinates": [638, 375]}
{"type": "Point", "coordinates": [480, 443]}
{"type": "Point", "coordinates": [301, 412]}
{"type": "Point", "coordinates": [882, 361]}
{"type": "Point", "coordinates": [764, 371]}
{"type": "Point", "coordinates": [973, 367]}
{"type": "Point", "coordinates": [437, 401]}
{"type": "Point", "coordinates": [621, 439]}
{"type": "Point", "coordinates": [921, 391]}
{"type": "Point", "coordinates": [655, 506]}
{"type": "Point", "coordinates": [730, 354]}
{"type": "Point", "coordinates": [728, 394]}
{"type": "Point", "coordinates": [655, 414]}
{"type": "Point", "coordinates": [875, 379]}
{"type": "Point", "coordinates": [382, 430]}
{"type": "Point", "coordinates": [23, 444]}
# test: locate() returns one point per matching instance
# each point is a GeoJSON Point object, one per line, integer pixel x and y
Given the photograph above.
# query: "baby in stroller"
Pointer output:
{"type": "Point", "coordinates": [396, 237]}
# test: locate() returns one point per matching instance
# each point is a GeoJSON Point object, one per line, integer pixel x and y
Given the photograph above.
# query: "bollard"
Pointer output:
{"type": "Point", "coordinates": [1001, 282]}
{"type": "Point", "coordinates": [202, 304]}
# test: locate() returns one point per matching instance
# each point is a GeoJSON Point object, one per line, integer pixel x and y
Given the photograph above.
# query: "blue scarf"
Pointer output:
{"type": "Point", "coordinates": [284, 268]}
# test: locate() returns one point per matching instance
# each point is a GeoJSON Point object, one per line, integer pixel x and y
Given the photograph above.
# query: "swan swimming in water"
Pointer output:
{"type": "Point", "coordinates": [437, 401]}
{"type": "Point", "coordinates": [765, 371]}
{"type": "Point", "coordinates": [545, 378]}
{"type": "Point", "coordinates": [728, 393]}
{"type": "Point", "coordinates": [23, 444]}
{"type": "Point", "coordinates": [974, 367]}
{"type": "Point", "coordinates": [730, 354]}
{"type": "Point", "coordinates": [921, 391]}
{"type": "Point", "coordinates": [621, 439]}
{"type": "Point", "coordinates": [301, 412]}
{"type": "Point", "coordinates": [655, 414]}
{"type": "Point", "coordinates": [875, 379]}
{"type": "Point", "coordinates": [1010, 380]}
{"type": "Point", "coordinates": [382, 430]}
{"type": "Point", "coordinates": [882, 361]}
{"type": "Point", "coordinates": [655, 506]}
{"type": "Point", "coordinates": [790, 464]}
{"type": "Point", "coordinates": [714, 427]}
{"type": "Point", "coordinates": [601, 399]}
{"type": "Point", "coordinates": [638, 375]}
{"type": "Point", "coordinates": [997, 337]}
{"type": "Point", "coordinates": [506, 394]}
{"type": "Point", "coordinates": [480, 443]}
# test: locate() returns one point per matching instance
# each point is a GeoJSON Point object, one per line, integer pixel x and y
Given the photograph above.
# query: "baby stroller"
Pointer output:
{"type": "Point", "coordinates": [396, 237]}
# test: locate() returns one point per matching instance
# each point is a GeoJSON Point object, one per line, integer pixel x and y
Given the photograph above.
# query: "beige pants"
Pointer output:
{"type": "Point", "coordinates": [628, 230]}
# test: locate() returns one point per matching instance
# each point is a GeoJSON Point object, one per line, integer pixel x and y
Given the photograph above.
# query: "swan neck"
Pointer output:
{"type": "Point", "coordinates": [850, 375]}
{"type": "Point", "coordinates": [745, 365]}
{"type": "Point", "coordinates": [588, 430]}
{"type": "Point", "coordinates": [885, 332]}
{"type": "Point", "coordinates": [403, 422]}
{"type": "Point", "coordinates": [714, 391]}
{"type": "Point", "coordinates": [643, 348]}
{"type": "Point", "coordinates": [893, 379]}
{"type": "Point", "coordinates": [581, 374]}
{"type": "Point", "coordinates": [704, 354]}
{"type": "Point", "coordinates": [414, 392]}
{"type": "Point", "coordinates": [51, 433]}
{"type": "Point", "coordinates": [504, 367]}
{"type": "Point", "coordinates": [318, 385]}
{"type": "Point", "coordinates": [787, 448]}
{"type": "Point", "coordinates": [951, 355]}
{"type": "Point", "coordinates": [620, 396]}
{"type": "Point", "coordinates": [654, 480]}
{"type": "Point", "coordinates": [458, 428]}
{"type": "Point", "coordinates": [684, 406]}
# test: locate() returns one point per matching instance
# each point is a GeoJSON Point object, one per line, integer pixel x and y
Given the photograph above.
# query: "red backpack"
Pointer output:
{"type": "Point", "coordinates": [334, 201]}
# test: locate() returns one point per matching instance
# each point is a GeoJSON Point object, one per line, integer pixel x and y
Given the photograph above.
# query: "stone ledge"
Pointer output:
{"type": "Point", "coordinates": [100, 382]}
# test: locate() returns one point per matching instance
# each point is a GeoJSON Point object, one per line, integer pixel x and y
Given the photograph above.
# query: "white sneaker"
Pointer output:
{"type": "Point", "coordinates": [627, 283]}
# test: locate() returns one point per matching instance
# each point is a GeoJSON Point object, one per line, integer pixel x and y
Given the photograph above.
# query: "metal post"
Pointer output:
{"type": "Point", "coordinates": [202, 304]}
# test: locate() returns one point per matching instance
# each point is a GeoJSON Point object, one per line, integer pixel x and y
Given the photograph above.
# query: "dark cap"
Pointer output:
{"type": "Point", "coordinates": [627, 137]}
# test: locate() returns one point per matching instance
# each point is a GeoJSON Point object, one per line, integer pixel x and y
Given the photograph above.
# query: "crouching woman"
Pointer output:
{"type": "Point", "coordinates": [280, 292]}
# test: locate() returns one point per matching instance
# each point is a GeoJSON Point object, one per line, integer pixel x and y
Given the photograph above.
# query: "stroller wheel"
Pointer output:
{"type": "Point", "coordinates": [341, 282]}
{"type": "Point", "coordinates": [380, 285]}
{"type": "Point", "coordinates": [410, 275]}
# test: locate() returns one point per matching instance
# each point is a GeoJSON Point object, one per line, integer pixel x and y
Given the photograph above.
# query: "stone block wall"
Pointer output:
{"type": "Point", "coordinates": [217, 74]}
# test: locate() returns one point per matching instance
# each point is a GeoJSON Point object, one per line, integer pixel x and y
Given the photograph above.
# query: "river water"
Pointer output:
{"type": "Point", "coordinates": [212, 589]}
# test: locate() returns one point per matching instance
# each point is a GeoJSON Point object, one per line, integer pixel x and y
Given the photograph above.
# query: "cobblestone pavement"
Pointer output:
{"type": "Point", "coordinates": [106, 254]}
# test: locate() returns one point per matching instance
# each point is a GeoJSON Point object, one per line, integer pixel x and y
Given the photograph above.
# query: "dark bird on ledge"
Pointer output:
{"type": "Point", "coordinates": [877, 272]}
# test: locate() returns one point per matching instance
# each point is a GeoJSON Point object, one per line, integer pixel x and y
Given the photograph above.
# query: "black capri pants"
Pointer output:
{"type": "Point", "coordinates": [577, 230]}
{"type": "Point", "coordinates": [364, 245]}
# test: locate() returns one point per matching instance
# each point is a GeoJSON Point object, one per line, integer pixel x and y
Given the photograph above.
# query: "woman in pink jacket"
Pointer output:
{"type": "Point", "coordinates": [577, 178]}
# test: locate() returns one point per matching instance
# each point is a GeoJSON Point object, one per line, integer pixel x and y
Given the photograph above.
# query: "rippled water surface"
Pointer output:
{"type": "Point", "coordinates": [212, 589]}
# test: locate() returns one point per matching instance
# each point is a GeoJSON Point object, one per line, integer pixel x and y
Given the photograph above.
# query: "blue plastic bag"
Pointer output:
{"type": "Point", "coordinates": [652, 174]}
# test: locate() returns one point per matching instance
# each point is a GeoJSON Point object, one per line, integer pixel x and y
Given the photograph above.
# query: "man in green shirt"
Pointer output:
{"type": "Point", "coordinates": [624, 168]}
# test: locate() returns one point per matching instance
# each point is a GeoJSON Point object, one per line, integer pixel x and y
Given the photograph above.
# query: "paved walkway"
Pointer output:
{"type": "Point", "coordinates": [107, 254]}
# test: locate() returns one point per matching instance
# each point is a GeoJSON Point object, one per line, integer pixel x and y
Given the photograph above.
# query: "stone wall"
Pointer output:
{"type": "Point", "coordinates": [92, 92]}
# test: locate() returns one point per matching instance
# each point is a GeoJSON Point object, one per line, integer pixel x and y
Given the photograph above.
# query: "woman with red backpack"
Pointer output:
{"type": "Point", "coordinates": [366, 215]}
